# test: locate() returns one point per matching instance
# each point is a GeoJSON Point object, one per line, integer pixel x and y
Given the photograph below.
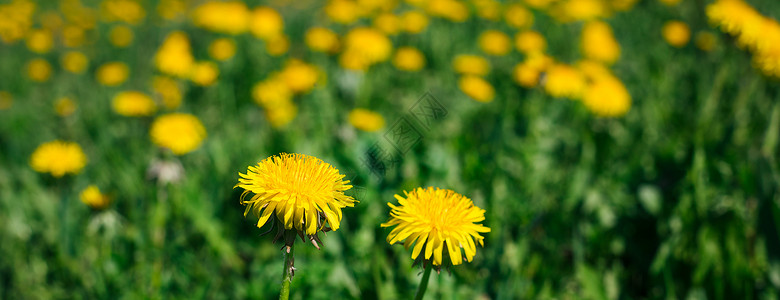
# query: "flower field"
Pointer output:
{"type": "Point", "coordinates": [368, 149]}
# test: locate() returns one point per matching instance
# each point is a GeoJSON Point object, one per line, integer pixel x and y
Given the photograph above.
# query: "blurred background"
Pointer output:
{"type": "Point", "coordinates": [622, 149]}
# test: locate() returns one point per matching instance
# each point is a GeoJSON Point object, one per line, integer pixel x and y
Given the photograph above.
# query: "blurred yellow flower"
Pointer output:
{"type": "Point", "coordinates": [413, 21]}
{"type": "Point", "coordinates": [539, 4]}
{"type": "Point", "coordinates": [74, 62]}
{"type": "Point", "coordinates": [112, 73]}
{"type": "Point", "coordinates": [271, 92]}
{"type": "Point", "coordinates": [58, 158]}
{"type": "Point", "coordinates": [204, 73]}
{"type": "Point", "coordinates": [476, 88]}
{"type": "Point", "coordinates": [676, 33]}
{"type": "Point", "coordinates": [366, 120]}
{"type": "Point", "coordinates": [453, 10]}
{"type": "Point", "coordinates": [277, 45]}
{"type": "Point", "coordinates": [471, 65]}
{"type": "Point", "coordinates": [174, 56]}
{"type": "Point", "coordinates": [168, 89]}
{"type": "Point", "coordinates": [172, 9]}
{"type": "Point", "coordinates": [433, 220]}
{"type": "Point", "coordinates": [92, 197]}
{"type": "Point", "coordinates": [488, 9]}
{"type": "Point", "coordinates": [222, 49]}
{"type": "Point", "coordinates": [705, 41]}
{"type": "Point", "coordinates": [303, 191]}
{"type": "Point", "coordinates": [181, 133]}
{"type": "Point", "coordinates": [266, 23]}
{"type": "Point", "coordinates": [670, 2]}
{"type": "Point", "coordinates": [322, 40]}
{"type": "Point", "coordinates": [367, 46]}
{"type": "Point", "coordinates": [298, 76]}
{"type": "Point", "coordinates": [579, 10]}
{"type": "Point", "coordinates": [606, 96]}
{"type": "Point", "coordinates": [494, 42]}
{"type": "Point", "coordinates": [6, 100]}
{"type": "Point", "coordinates": [530, 41]}
{"type": "Point", "coordinates": [120, 36]}
{"type": "Point", "coordinates": [527, 73]}
{"type": "Point", "coordinates": [408, 59]}
{"type": "Point", "coordinates": [15, 20]}
{"type": "Point", "coordinates": [564, 81]}
{"type": "Point", "coordinates": [388, 23]}
{"type": "Point", "coordinates": [517, 16]}
{"type": "Point", "coordinates": [282, 114]}
{"type": "Point", "coordinates": [231, 17]}
{"type": "Point", "coordinates": [40, 41]}
{"type": "Point", "coordinates": [343, 11]}
{"type": "Point", "coordinates": [73, 36]}
{"type": "Point", "coordinates": [133, 104]}
{"type": "Point", "coordinates": [598, 42]}
{"type": "Point", "coordinates": [39, 70]}
{"type": "Point", "coordinates": [64, 107]}
{"type": "Point", "coordinates": [593, 69]}
{"type": "Point", "coordinates": [127, 11]}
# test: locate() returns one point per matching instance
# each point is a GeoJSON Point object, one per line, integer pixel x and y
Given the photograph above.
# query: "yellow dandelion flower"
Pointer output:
{"type": "Point", "coordinates": [343, 11]}
{"type": "Point", "coordinates": [204, 73]}
{"type": "Point", "coordinates": [39, 70]}
{"type": "Point", "coordinates": [471, 65]}
{"type": "Point", "coordinates": [433, 220]}
{"type": "Point", "coordinates": [74, 62]}
{"type": "Point", "coordinates": [112, 73]}
{"type": "Point", "coordinates": [452, 10]}
{"type": "Point", "coordinates": [366, 120]}
{"type": "Point", "coordinates": [388, 23]}
{"type": "Point", "coordinates": [92, 197]}
{"type": "Point", "coordinates": [408, 59]}
{"type": "Point", "coordinates": [676, 33]}
{"type": "Point", "coordinates": [370, 45]}
{"type": "Point", "coordinates": [127, 11]}
{"type": "Point", "coordinates": [174, 56]}
{"type": "Point", "coordinates": [488, 9]}
{"type": "Point", "coordinates": [705, 41]}
{"type": "Point", "coordinates": [168, 89]}
{"type": "Point", "coordinates": [277, 45]}
{"type": "Point", "coordinates": [222, 49]}
{"type": "Point", "coordinates": [517, 16]}
{"type": "Point", "coordinates": [65, 106]}
{"type": "Point", "coordinates": [579, 10]}
{"type": "Point", "coordinates": [607, 97]}
{"type": "Point", "coordinates": [530, 41]}
{"type": "Point", "coordinates": [133, 104]}
{"type": "Point", "coordinates": [266, 23]}
{"type": "Point", "coordinates": [40, 41]}
{"type": "Point", "coordinates": [593, 70]}
{"type": "Point", "coordinates": [271, 92]}
{"type": "Point", "coordinates": [172, 9]}
{"type": "Point", "coordinates": [527, 73]}
{"type": "Point", "coordinates": [299, 76]}
{"type": "Point", "coordinates": [413, 21]}
{"type": "Point", "coordinates": [598, 42]}
{"type": "Point", "coordinates": [58, 158]}
{"type": "Point", "coordinates": [281, 114]}
{"type": "Point", "coordinates": [322, 40]}
{"type": "Point", "coordinates": [494, 42]}
{"type": "Point", "coordinates": [181, 133]}
{"type": "Point", "coordinates": [305, 193]}
{"type": "Point", "coordinates": [6, 100]}
{"type": "Point", "coordinates": [564, 81]}
{"type": "Point", "coordinates": [16, 20]}
{"type": "Point", "coordinates": [476, 88]}
{"type": "Point", "coordinates": [231, 17]}
{"type": "Point", "coordinates": [120, 36]}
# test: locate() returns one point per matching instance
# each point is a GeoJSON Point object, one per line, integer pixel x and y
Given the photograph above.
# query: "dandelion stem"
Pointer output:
{"type": "Point", "coordinates": [287, 273]}
{"type": "Point", "coordinates": [424, 282]}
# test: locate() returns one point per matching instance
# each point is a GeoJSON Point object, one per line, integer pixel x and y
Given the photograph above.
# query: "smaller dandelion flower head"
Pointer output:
{"type": "Point", "coordinates": [303, 192]}
{"type": "Point", "coordinates": [58, 158]}
{"type": "Point", "coordinates": [432, 219]}
{"type": "Point", "coordinates": [92, 197]}
{"type": "Point", "coordinates": [180, 132]}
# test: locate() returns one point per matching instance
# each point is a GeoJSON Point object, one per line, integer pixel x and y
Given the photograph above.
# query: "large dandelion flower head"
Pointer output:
{"type": "Point", "coordinates": [180, 132]}
{"type": "Point", "coordinates": [58, 158]}
{"type": "Point", "coordinates": [304, 192]}
{"type": "Point", "coordinates": [433, 219]}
